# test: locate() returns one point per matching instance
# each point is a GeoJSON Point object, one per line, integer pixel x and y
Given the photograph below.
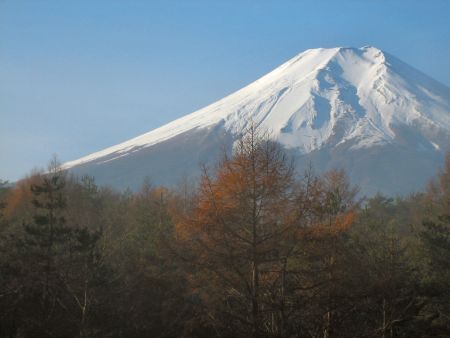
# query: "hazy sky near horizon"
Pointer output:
{"type": "Point", "coordinates": [79, 76]}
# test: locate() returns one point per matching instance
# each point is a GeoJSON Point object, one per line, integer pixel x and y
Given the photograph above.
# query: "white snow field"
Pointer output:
{"type": "Point", "coordinates": [359, 109]}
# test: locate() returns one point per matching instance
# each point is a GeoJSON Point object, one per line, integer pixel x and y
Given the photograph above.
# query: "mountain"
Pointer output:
{"type": "Point", "coordinates": [359, 109]}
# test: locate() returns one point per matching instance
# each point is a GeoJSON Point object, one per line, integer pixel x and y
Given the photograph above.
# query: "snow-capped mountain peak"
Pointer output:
{"type": "Point", "coordinates": [356, 98]}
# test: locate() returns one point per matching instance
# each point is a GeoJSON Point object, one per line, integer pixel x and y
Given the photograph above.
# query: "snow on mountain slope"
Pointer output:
{"type": "Point", "coordinates": [321, 99]}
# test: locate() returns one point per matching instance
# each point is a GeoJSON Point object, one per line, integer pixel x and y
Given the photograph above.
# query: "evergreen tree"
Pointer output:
{"type": "Point", "coordinates": [435, 240]}
{"type": "Point", "coordinates": [52, 265]}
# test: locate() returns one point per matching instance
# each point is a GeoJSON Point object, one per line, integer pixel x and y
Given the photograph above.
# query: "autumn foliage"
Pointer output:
{"type": "Point", "coordinates": [247, 231]}
{"type": "Point", "coordinates": [254, 249]}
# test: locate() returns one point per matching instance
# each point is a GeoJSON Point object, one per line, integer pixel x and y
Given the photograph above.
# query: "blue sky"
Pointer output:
{"type": "Point", "coordinates": [78, 76]}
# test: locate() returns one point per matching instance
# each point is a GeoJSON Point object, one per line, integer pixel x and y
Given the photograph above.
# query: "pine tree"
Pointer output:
{"type": "Point", "coordinates": [57, 264]}
{"type": "Point", "coordinates": [435, 240]}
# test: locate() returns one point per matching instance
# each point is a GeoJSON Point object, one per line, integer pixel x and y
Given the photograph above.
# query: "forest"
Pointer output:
{"type": "Point", "coordinates": [254, 248]}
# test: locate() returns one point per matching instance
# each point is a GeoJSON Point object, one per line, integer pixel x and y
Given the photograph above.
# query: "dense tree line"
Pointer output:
{"type": "Point", "coordinates": [253, 250]}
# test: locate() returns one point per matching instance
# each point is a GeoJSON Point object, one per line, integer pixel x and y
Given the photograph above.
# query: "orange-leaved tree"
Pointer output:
{"type": "Point", "coordinates": [244, 215]}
